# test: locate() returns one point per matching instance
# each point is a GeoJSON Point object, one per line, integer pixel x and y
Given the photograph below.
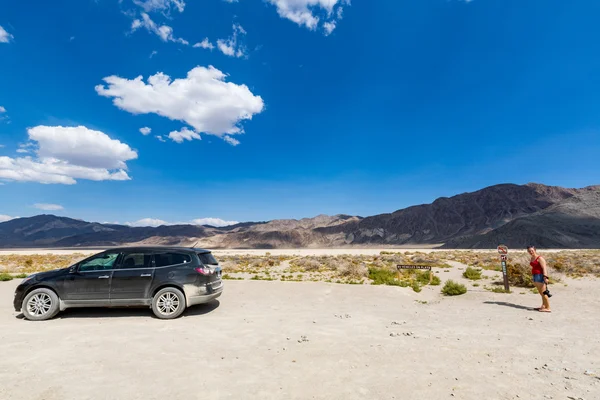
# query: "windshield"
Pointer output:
{"type": "Point", "coordinates": [207, 259]}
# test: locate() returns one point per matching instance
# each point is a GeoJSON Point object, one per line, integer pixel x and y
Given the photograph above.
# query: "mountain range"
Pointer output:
{"type": "Point", "coordinates": [515, 215]}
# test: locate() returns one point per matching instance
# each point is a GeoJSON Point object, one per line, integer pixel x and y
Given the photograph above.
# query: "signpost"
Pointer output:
{"type": "Point", "coordinates": [402, 266]}
{"type": "Point", "coordinates": [503, 251]}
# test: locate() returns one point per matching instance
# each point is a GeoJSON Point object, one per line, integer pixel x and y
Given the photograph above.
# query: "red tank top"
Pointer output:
{"type": "Point", "coordinates": [536, 267]}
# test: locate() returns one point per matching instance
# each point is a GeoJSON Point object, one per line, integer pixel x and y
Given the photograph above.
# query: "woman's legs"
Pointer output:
{"type": "Point", "coordinates": [541, 287]}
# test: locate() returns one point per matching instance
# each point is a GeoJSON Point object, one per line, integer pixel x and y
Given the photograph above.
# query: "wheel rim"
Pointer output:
{"type": "Point", "coordinates": [39, 304]}
{"type": "Point", "coordinates": [168, 303]}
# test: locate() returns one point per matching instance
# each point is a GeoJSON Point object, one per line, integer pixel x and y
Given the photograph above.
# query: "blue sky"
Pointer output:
{"type": "Point", "coordinates": [291, 110]}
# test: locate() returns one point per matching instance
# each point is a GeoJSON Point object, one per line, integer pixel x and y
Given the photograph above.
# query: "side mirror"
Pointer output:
{"type": "Point", "coordinates": [73, 269]}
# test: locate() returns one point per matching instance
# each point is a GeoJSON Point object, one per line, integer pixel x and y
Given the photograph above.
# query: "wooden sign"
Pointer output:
{"type": "Point", "coordinates": [425, 267]}
{"type": "Point", "coordinates": [400, 266]}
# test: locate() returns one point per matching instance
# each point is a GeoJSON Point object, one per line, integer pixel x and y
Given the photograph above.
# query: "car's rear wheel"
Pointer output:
{"type": "Point", "coordinates": [168, 303]}
{"type": "Point", "coordinates": [40, 305]}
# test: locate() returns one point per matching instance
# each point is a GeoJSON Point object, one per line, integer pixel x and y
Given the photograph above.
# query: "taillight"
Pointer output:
{"type": "Point", "coordinates": [204, 270]}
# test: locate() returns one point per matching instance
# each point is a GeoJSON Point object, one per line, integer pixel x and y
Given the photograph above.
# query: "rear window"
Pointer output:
{"type": "Point", "coordinates": [207, 259]}
{"type": "Point", "coordinates": [166, 259]}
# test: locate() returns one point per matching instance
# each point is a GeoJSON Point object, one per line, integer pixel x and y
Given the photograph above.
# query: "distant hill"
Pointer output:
{"type": "Point", "coordinates": [547, 216]}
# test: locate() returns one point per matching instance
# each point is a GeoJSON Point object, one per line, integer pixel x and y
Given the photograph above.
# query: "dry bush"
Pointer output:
{"type": "Point", "coordinates": [352, 269]}
{"type": "Point", "coordinates": [306, 264]}
{"type": "Point", "coordinates": [37, 262]}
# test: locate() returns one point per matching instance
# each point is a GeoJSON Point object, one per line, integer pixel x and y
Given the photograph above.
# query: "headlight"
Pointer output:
{"type": "Point", "coordinates": [27, 279]}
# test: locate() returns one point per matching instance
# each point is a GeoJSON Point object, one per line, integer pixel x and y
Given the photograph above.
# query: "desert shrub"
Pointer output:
{"type": "Point", "coordinates": [382, 276]}
{"type": "Point", "coordinates": [5, 277]}
{"type": "Point", "coordinates": [435, 280]}
{"type": "Point", "coordinates": [519, 275]}
{"type": "Point", "coordinates": [385, 276]}
{"type": "Point", "coordinates": [472, 273]}
{"type": "Point", "coordinates": [352, 269]}
{"type": "Point", "coordinates": [499, 289]}
{"type": "Point", "coordinates": [415, 286]}
{"type": "Point", "coordinates": [306, 264]}
{"type": "Point", "coordinates": [21, 276]}
{"type": "Point", "coordinates": [452, 288]}
{"type": "Point", "coordinates": [422, 277]}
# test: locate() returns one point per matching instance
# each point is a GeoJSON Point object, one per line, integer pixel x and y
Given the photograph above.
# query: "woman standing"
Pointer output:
{"type": "Point", "coordinates": [539, 270]}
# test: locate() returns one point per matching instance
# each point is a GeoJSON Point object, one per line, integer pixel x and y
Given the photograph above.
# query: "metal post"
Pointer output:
{"type": "Point", "coordinates": [504, 273]}
{"type": "Point", "coordinates": [503, 251]}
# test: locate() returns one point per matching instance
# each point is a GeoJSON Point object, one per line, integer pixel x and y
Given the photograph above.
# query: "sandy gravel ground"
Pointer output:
{"type": "Point", "coordinates": [289, 340]}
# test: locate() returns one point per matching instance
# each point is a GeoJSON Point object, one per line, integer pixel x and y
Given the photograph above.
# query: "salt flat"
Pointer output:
{"type": "Point", "coordinates": [306, 340]}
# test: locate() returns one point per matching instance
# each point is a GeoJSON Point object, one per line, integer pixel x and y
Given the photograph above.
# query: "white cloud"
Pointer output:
{"type": "Point", "coordinates": [4, 218]}
{"type": "Point", "coordinates": [165, 32]}
{"type": "Point", "coordinates": [203, 100]}
{"type": "Point", "coordinates": [231, 141]}
{"type": "Point", "coordinates": [213, 222]}
{"type": "Point", "coordinates": [200, 221]}
{"type": "Point", "coordinates": [48, 207]}
{"type": "Point", "coordinates": [154, 52]}
{"type": "Point", "coordinates": [81, 146]}
{"type": "Point", "coordinates": [5, 37]}
{"type": "Point", "coordinates": [160, 5]}
{"type": "Point", "coordinates": [230, 46]}
{"type": "Point", "coordinates": [145, 131]}
{"type": "Point", "coordinates": [22, 151]}
{"type": "Point", "coordinates": [2, 110]}
{"type": "Point", "coordinates": [309, 13]}
{"type": "Point", "coordinates": [230, 1]}
{"type": "Point", "coordinates": [205, 44]}
{"type": "Point", "coordinates": [1, 146]}
{"type": "Point", "coordinates": [147, 222]}
{"type": "Point", "coordinates": [65, 154]}
{"type": "Point", "coordinates": [160, 138]}
{"type": "Point", "coordinates": [329, 27]}
{"type": "Point", "coordinates": [183, 134]}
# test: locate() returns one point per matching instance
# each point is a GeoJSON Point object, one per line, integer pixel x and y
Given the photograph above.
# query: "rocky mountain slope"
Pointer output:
{"type": "Point", "coordinates": [516, 215]}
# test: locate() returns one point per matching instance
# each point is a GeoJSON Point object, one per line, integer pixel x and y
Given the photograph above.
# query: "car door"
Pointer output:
{"type": "Point", "coordinates": [90, 281]}
{"type": "Point", "coordinates": [132, 279]}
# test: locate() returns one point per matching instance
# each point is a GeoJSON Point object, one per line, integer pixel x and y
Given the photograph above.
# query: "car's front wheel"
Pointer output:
{"type": "Point", "coordinates": [40, 304]}
{"type": "Point", "coordinates": [168, 303]}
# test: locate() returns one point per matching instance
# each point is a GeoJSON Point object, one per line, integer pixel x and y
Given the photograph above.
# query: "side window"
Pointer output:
{"type": "Point", "coordinates": [166, 259]}
{"type": "Point", "coordinates": [99, 263]}
{"type": "Point", "coordinates": [136, 260]}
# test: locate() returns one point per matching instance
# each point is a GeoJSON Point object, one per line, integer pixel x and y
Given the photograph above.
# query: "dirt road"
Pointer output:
{"type": "Point", "coordinates": [289, 340]}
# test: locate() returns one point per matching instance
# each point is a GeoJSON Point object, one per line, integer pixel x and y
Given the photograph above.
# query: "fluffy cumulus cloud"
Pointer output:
{"type": "Point", "coordinates": [2, 110]}
{"type": "Point", "coordinates": [200, 221]}
{"type": "Point", "coordinates": [65, 154]}
{"type": "Point", "coordinates": [312, 13]}
{"type": "Point", "coordinates": [48, 207]}
{"type": "Point", "coordinates": [145, 131]}
{"type": "Point", "coordinates": [232, 46]}
{"type": "Point", "coordinates": [164, 32]}
{"type": "Point", "coordinates": [204, 100]}
{"type": "Point", "coordinates": [5, 37]}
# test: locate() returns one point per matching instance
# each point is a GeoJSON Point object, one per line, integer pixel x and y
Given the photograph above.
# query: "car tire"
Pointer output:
{"type": "Point", "coordinates": [168, 303]}
{"type": "Point", "coordinates": [40, 305]}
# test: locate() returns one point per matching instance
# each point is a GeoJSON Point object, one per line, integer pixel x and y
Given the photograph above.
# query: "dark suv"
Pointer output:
{"type": "Point", "coordinates": [167, 279]}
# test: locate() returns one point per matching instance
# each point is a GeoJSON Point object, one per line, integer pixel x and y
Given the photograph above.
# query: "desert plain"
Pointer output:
{"type": "Point", "coordinates": [284, 328]}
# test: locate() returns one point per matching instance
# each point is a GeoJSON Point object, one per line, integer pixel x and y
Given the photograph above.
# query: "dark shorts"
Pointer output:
{"type": "Point", "coordinates": [538, 278]}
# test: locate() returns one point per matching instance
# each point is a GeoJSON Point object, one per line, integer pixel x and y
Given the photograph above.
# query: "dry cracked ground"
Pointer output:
{"type": "Point", "coordinates": [313, 340]}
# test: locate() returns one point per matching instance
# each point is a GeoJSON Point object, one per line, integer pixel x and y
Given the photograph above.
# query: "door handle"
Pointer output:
{"type": "Point", "coordinates": [104, 277]}
{"type": "Point", "coordinates": [145, 275]}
